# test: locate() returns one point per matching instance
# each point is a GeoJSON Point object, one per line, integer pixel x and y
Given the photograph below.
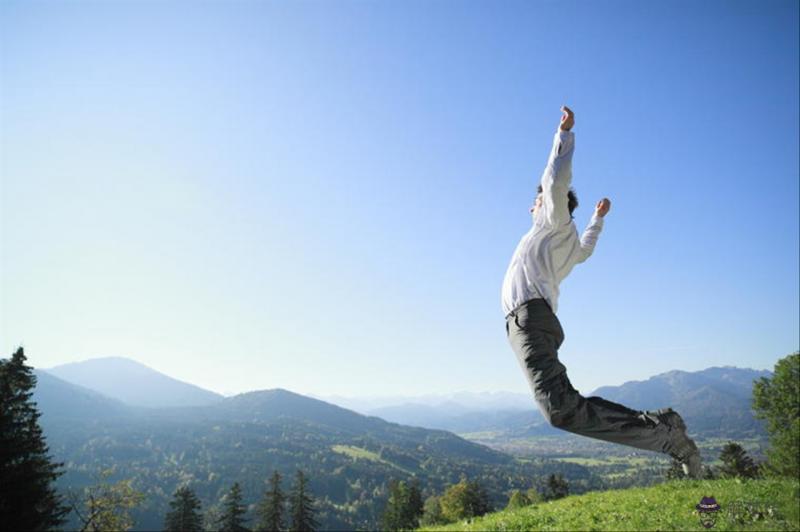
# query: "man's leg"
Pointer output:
{"type": "Point", "coordinates": [535, 335]}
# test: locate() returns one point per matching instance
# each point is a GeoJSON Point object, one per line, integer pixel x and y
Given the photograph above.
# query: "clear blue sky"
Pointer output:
{"type": "Point", "coordinates": [324, 196]}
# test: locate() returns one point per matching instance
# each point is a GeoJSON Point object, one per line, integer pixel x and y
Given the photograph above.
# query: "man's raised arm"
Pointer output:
{"type": "Point", "coordinates": [592, 232]}
{"type": "Point", "coordinates": [557, 175]}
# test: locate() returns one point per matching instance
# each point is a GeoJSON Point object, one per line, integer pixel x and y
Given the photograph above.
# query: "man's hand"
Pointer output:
{"type": "Point", "coordinates": [602, 208]}
{"type": "Point", "coordinates": [567, 119]}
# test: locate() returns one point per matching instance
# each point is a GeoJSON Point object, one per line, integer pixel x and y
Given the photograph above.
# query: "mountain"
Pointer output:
{"type": "Point", "coordinates": [459, 402]}
{"type": "Point", "coordinates": [349, 458]}
{"type": "Point", "coordinates": [59, 400]}
{"type": "Point", "coordinates": [133, 383]}
{"type": "Point", "coordinates": [461, 412]}
{"type": "Point", "coordinates": [457, 418]}
{"type": "Point", "coordinates": [713, 402]}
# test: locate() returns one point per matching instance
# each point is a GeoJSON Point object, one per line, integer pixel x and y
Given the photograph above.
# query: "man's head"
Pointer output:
{"type": "Point", "coordinates": [572, 201]}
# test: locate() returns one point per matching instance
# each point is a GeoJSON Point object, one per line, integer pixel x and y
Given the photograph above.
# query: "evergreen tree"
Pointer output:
{"type": "Point", "coordinates": [302, 506]}
{"type": "Point", "coordinates": [28, 499]}
{"type": "Point", "coordinates": [185, 514]}
{"type": "Point", "coordinates": [232, 519]}
{"type": "Point", "coordinates": [557, 487]}
{"type": "Point", "coordinates": [736, 463]}
{"type": "Point", "coordinates": [391, 519]}
{"type": "Point", "coordinates": [404, 507]}
{"type": "Point", "coordinates": [777, 400]}
{"type": "Point", "coordinates": [270, 511]}
{"type": "Point", "coordinates": [414, 504]}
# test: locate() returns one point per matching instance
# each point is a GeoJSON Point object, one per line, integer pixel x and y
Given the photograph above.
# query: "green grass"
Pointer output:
{"type": "Point", "coordinates": [357, 453]}
{"type": "Point", "coordinates": [746, 505]}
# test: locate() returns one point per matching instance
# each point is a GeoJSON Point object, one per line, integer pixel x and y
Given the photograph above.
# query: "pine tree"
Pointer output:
{"type": "Point", "coordinates": [736, 463]}
{"type": "Point", "coordinates": [271, 509]}
{"type": "Point", "coordinates": [404, 507]}
{"type": "Point", "coordinates": [414, 505]}
{"type": "Point", "coordinates": [232, 519]}
{"type": "Point", "coordinates": [185, 514]}
{"type": "Point", "coordinates": [302, 506]}
{"type": "Point", "coordinates": [557, 487]}
{"type": "Point", "coordinates": [28, 499]}
{"type": "Point", "coordinates": [392, 519]}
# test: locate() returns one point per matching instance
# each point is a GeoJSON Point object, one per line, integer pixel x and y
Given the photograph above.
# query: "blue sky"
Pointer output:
{"type": "Point", "coordinates": [324, 196]}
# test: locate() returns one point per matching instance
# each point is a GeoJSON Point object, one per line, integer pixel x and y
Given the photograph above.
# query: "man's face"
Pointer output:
{"type": "Point", "coordinates": [537, 204]}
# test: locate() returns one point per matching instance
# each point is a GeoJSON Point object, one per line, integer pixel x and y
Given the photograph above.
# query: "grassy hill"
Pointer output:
{"type": "Point", "coordinates": [745, 505]}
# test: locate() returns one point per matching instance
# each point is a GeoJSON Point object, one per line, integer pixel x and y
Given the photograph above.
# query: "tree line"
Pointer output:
{"type": "Point", "coordinates": [276, 511]}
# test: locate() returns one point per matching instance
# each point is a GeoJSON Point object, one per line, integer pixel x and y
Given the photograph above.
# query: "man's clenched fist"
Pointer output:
{"type": "Point", "coordinates": [603, 206]}
{"type": "Point", "coordinates": [567, 119]}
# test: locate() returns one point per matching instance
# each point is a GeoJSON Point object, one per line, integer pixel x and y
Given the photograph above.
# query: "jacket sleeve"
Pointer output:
{"type": "Point", "coordinates": [589, 238]}
{"type": "Point", "coordinates": [557, 178]}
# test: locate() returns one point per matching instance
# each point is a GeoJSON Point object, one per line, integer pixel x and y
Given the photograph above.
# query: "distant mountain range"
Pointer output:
{"type": "Point", "coordinates": [349, 458]}
{"type": "Point", "coordinates": [458, 402]}
{"type": "Point", "coordinates": [715, 402]}
{"type": "Point", "coordinates": [133, 383]}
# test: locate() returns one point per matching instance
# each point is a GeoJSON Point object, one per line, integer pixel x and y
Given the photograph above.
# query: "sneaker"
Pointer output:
{"type": "Point", "coordinates": [681, 447]}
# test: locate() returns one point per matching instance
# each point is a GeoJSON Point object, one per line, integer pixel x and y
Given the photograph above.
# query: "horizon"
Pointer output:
{"type": "Point", "coordinates": [332, 397]}
{"type": "Point", "coordinates": [328, 194]}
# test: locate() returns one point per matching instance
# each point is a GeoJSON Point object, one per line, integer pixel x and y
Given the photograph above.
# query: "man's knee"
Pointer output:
{"type": "Point", "coordinates": [557, 419]}
{"type": "Point", "coordinates": [560, 403]}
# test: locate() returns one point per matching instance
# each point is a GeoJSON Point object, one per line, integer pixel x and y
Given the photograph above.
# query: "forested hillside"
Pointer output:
{"type": "Point", "coordinates": [348, 458]}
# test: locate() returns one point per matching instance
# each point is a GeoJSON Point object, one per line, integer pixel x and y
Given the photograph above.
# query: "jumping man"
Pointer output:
{"type": "Point", "coordinates": [543, 258]}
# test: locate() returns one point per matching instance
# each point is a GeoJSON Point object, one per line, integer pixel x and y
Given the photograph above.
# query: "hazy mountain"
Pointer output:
{"type": "Point", "coordinates": [59, 400]}
{"type": "Point", "coordinates": [133, 383]}
{"type": "Point", "coordinates": [714, 402]}
{"type": "Point", "coordinates": [457, 418]}
{"type": "Point", "coordinates": [454, 403]}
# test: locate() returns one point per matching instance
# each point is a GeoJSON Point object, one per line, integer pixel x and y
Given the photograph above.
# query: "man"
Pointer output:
{"type": "Point", "coordinates": [543, 258]}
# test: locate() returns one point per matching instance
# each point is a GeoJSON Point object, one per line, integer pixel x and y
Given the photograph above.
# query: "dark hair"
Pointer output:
{"type": "Point", "coordinates": [572, 199]}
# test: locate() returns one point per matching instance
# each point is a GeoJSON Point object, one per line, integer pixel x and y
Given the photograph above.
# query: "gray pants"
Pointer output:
{"type": "Point", "coordinates": [535, 335]}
